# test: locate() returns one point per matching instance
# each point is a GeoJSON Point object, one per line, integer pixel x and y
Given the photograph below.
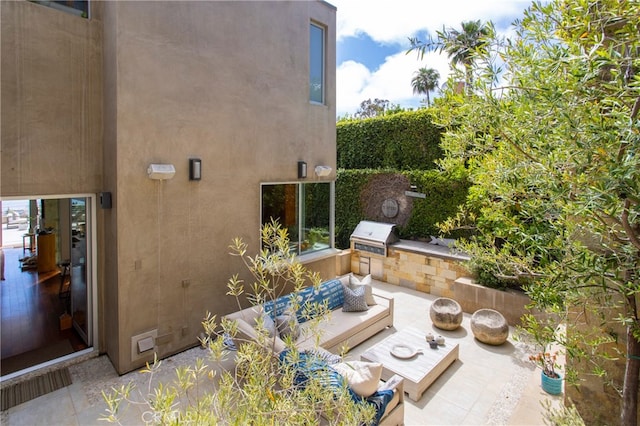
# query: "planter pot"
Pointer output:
{"type": "Point", "coordinates": [551, 385]}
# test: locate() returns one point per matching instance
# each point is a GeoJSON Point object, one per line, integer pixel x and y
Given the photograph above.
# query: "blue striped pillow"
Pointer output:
{"type": "Point", "coordinates": [331, 291]}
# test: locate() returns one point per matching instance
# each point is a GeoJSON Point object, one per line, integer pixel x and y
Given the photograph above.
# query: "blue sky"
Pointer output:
{"type": "Point", "coordinates": [372, 38]}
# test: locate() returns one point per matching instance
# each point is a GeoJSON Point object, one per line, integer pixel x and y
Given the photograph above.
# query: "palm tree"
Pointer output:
{"type": "Point", "coordinates": [463, 47]}
{"type": "Point", "coordinates": [424, 81]}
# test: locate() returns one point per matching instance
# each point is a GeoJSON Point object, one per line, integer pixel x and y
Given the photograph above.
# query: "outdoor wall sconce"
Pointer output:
{"type": "Point", "coordinates": [105, 200]}
{"type": "Point", "coordinates": [323, 171]}
{"type": "Point", "coordinates": [161, 171]}
{"type": "Point", "coordinates": [302, 170]}
{"type": "Point", "coordinates": [195, 169]}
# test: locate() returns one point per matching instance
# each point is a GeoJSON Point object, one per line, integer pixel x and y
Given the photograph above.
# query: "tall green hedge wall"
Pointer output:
{"type": "Point", "coordinates": [403, 141]}
{"type": "Point", "coordinates": [443, 195]}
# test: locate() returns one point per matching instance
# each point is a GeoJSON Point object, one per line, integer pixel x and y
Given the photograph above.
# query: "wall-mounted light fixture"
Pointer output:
{"type": "Point", "coordinates": [161, 171]}
{"type": "Point", "coordinates": [195, 169]}
{"type": "Point", "coordinates": [302, 170]}
{"type": "Point", "coordinates": [323, 171]}
{"type": "Point", "coordinates": [105, 200]}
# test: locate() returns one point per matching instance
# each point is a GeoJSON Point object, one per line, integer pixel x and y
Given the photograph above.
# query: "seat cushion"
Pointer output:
{"type": "Point", "coordinates": [265, 321]}
{"type": "Point", "coordinates": [363, 377]}
{"type": "Point", "coordinates": [339, 326]}
{"type": "Point", "coordinates": [288, 326]}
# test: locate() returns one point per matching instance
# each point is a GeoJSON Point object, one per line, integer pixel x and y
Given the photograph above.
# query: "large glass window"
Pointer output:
{"type": "Point", "coordinates": [304, 209]}
{"type": "Point", "coordinates": [316, 64]}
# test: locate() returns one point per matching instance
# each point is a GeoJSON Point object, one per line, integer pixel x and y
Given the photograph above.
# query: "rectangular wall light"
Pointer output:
{"type": "Point", "coordinates": [195, 169]}
{"type": "Point", "coordinates": [302, 170]}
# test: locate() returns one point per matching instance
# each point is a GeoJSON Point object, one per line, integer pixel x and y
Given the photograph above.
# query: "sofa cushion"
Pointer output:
{"type": "Point", "coordinates": [324, 355]}
{"type": "Point", "coordinates": [331, 291]}
{"type": "Point", "coordinates": [246, 332]}
{"type": "Point", "coordinates": [354, 300]}
{"type": "Point", "coordinates": [278, 306]}
{"type": "Point", "coordinates": [382, 401]}
{"type": "Point", "coordinates": [342, 325]}
{"type": "Point", "coordinates": [267, 323]}
{"type": "Point", "coordinates": [307, 365]}
{"type": "Point", "coordinates": [363, 377]}
{"type": "Point", "coordinates": [354, 283]}
{"type": "Point", "coordinates": [248, 314]}
{"type": "Point", "coordinates": [288, 326]}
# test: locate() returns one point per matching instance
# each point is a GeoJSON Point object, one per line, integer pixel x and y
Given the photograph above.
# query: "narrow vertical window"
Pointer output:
{"type": "Point", "coordinates": [74, 7]}
{"type": "Point", "coordinates": [316, 64]}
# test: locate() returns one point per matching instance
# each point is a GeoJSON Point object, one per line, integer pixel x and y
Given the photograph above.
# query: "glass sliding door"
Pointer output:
{"type": "Point", "coordinates": [48, 291]}
{"type": "Point", "coordinates": [79, 268]}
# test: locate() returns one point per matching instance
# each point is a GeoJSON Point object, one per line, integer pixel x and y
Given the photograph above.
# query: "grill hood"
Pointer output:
{"type": "Point", "coordinates": [373, 237]}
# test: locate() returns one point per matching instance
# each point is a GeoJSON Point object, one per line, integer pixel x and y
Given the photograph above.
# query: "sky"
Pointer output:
{"type": "Point", "coordinates": [373, 37]}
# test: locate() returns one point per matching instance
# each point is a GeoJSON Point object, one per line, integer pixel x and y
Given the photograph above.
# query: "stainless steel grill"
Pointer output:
{"type": "Point", "coordinates": [373, 237]}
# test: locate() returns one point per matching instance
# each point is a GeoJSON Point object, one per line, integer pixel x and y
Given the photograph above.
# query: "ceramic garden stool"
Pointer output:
{"type": "Point", "coordinates": [489, 326]}
{"type": "Point", "coordinates": [446, 313]}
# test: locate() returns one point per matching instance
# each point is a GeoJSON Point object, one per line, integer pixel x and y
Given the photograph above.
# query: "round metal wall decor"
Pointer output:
{"type": "Point", "coordinates": [390, 208]}
{"type": "Point", "coordinates": [383, 199]}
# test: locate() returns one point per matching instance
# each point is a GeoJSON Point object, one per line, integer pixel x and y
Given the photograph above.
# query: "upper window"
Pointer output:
{"type": "Point", "coordinates": [304, 209]}
{"type": "Point", "coordinates": [75, 7]}
{"type": "Point", "coordinates": [316, 64]}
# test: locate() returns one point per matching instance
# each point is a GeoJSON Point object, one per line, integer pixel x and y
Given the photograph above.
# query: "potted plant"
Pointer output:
{"type": "Point", "coordinates": [544, 333]}
{"type": "Point", "coordinates": [551, 379]}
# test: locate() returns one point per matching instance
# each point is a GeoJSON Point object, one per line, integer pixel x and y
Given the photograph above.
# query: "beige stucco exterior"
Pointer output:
{"type": "Point", "coordinates": [88, 104]}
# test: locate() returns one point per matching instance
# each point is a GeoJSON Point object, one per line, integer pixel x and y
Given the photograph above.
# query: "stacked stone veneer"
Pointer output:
{"type": "Point", "coordinates": [427, 272]}
{"type": "Point", "coordinates": [437, 271]}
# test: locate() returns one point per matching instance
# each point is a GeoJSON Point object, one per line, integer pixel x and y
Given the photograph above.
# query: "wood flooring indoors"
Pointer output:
{"type": "Point", "coordinates": [30, 308]}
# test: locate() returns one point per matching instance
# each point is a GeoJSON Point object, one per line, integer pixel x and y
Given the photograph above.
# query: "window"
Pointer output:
{"type": "Point", "coordinates": [75, 7]}
{"type": "Point", "coordinates": [316, 64]}
{"type": "Point", "coordinates": [305, 209]}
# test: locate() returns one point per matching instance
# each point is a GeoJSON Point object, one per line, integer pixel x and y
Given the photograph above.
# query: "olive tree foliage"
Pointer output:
{"type": "Point", "coordinates": [249, 385]}
{"type": "Point", "coordinates": [550, 139]}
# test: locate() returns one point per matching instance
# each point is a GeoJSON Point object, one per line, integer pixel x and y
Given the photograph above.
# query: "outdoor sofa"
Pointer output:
{"type": "Point", "coordinates": [343, 327]}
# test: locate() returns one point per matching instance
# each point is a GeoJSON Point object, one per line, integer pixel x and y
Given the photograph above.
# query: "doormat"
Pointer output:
{"type": "Point", "coordinates": [30, 389]}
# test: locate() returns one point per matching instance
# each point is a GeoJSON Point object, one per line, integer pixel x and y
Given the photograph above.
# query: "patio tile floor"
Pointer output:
{"type": "Point", "coordinates": [486, 386]}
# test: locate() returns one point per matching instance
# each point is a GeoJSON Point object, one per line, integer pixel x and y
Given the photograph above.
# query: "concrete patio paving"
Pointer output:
{"type": "Point", "coordinates": [487, 385]}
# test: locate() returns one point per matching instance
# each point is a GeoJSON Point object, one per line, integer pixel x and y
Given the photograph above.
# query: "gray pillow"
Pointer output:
{"type": "Point", "coordinates": [354, 283]}
{"type": "Point", "coordinates": [267, 323]}
{"type": "Point", "coordinates": [354, 300]}
{"type": "Point", "coordinates": [287, 325]}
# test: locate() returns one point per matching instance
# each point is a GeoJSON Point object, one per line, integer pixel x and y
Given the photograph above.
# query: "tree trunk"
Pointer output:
{"type": "Point", "coordinates": [468, 80]}
{"type": "Point", "coordinates": [629, 412]}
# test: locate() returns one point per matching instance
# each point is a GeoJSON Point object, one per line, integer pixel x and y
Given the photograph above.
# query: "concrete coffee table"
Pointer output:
{"type": "Point", "coordinates": [419, 370]}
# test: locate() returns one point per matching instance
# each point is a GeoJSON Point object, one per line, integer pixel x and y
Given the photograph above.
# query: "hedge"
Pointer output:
{"type": "Point", "coordinates": [404, 141]}
{"type": "Point", "coordinates": [444, 194]}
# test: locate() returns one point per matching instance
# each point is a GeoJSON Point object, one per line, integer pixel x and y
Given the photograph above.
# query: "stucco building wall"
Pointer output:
{"type": "Point", "coordinates": [51, 81]}
{"type": "Point", "coordinates": [162, 82]}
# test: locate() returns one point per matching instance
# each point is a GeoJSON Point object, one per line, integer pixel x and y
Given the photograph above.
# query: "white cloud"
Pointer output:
{"type": "Point", "coordinates": [391, 81]}
{"type": "Point", "coordinates": [392, 22]}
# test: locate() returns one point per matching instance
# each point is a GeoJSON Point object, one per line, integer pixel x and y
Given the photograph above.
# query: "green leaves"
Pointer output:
{"type": "Point", "coordinates": [554, 160]}
{"type": "Point", "coordinates": [407, 140]}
